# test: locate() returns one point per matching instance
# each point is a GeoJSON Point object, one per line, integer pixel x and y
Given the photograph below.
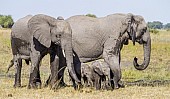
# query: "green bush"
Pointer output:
{"type": "Point", "coordinates": [6, 21]}
{"type": "Point", "coordinates": [91, 15]}
{"type": "Point", "coordinates": [154, 31]}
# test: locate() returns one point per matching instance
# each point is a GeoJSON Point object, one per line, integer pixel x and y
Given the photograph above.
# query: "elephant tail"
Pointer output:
{"type": "Point", "coordinates": [10, 65]}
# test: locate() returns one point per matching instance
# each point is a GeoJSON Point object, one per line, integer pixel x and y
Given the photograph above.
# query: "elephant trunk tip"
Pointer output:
{"type": "Point", "coordinates": [73, 74]}
{"type": "Point", "coordinates": [139, 67]}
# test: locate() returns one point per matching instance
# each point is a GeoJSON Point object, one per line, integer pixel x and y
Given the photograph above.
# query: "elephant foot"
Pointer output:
{"type": "Point", "coordinates": [36, 85]}
{"type": "Point", "coordinates": [119, 85]}
{"type": "Point", "coordinates": [58, 84]}
{"type": "Point", "coordinates": [107, 87]}
{"type": "Point", "coordinates": [78, 86]}
{"type": "Point", "coordinates": [62, 84]}
{"type": "Point", "coordinates": [17, 85]}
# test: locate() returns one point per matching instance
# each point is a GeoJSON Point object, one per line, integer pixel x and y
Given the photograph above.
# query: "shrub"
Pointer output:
{"type": "Point", "coordinates": [91, 15]}
{"type": "Point", "coordinates": [154, 31]}
{"type": "Point", "coordinates": [6, 21]}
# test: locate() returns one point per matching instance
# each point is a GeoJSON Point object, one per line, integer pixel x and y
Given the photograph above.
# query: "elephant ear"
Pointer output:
{"type": "Point", "coordinates": [98, 71]}
{"type": "Point", "coordinates": [131, 26]}
{"type": "Point", "coordinates": [128, 19]}
{"type": "Point", "coordinates": [138, 18]}
{"type": "Point", "coordinates": [40, 30]}
{"type": "Point", "coordinates": [96, 67]}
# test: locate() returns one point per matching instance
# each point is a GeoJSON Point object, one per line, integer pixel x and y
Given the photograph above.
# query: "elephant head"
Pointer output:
{"type": "Point", "coordinates": [86, 71]}
{"type": "Point", "coordinates": [97, 67]}
{"type": "Point", "coordinates": [137, 32]}
{"type": "Point", "coordinates": [105, 69]}
{"type": "Point", "coordinates": [48, 30]}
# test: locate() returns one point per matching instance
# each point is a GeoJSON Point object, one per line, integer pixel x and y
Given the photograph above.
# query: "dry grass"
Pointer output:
{"type": "Point", "coordinates": [159, 69]}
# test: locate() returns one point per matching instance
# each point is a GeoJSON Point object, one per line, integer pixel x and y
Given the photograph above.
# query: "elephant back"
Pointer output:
{"type": "Point", "coordinates": [20, 29]}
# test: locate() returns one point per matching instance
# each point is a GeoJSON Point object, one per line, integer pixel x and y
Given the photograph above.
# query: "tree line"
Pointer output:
{"type": "Point", "coordinates": [158, 25]}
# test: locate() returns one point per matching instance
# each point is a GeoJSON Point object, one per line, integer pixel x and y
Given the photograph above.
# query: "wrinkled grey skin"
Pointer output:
{"type": "Point", "coordinates": [90, 76]}
{"type": "Point", "coordinates": [104, 37]}
{"type": "Point", "coordinates": [32, 38]}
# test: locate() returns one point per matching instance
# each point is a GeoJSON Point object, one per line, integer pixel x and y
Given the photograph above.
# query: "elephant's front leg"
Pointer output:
{"type": "Point", "coordinates": [107, 83]}
{"type": "Point", "coordinates": [90, 82]}
{"type": "Point", "coordinates": [111, 56]}
{"type": "Point", "coordinates": [18, 67]}
{"type": "Point", "coordinates": [97, 82]}
{"type": "Point", "coordinates": [54, 65]}
{"type": "Point", "coordinates": [35, 80]}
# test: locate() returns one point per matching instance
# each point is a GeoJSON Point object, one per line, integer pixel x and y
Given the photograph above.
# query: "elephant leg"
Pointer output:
{"type": "Point", "coordinates": [61, 69]}
{"type": "Point", "coordinates": [59, 74]}
{"type": "Point", "coordinates": [97, 82]}
{"type": "Point", "coordinates": [103, 82]}
{"type": "Point", "coordinates": [111, 56]}
{"type": "Point", "coordinates": [35, 80]}
{"type": "Point", "coordinates": [85, 81]}
{"type": "Point", "coordinates": [18, 67]}
{"type": "Point", "coordinates": [90, 82]}
{"type": "Point", "coordinates": [107, 83]}
{"type": "Point", "coordinates": [115, 68]}
{"type": "Point", "coordinates": [54, 64]}
{"type": "Point", "coordinates": [77, 67]}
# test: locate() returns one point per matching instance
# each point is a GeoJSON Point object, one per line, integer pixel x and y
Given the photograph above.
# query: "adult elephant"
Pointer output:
{"type": "Point", "coordinates": [104, 37]}
{"type": "Point", "coordinates": [33, 37]}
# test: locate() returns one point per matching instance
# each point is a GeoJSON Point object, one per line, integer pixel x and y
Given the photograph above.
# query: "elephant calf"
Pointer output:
{"type": "Point", "coordinates": [95, 74]}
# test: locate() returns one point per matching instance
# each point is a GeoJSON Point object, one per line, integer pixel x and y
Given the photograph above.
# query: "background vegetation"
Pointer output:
{"type": "Point", "coordinates": [91, 15]}
{"type": "Point", "coordinates": [6, 21]}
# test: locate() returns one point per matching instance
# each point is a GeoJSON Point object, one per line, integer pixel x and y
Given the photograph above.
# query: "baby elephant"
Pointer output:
{"type": "Point", "coordinates": [95, 73]}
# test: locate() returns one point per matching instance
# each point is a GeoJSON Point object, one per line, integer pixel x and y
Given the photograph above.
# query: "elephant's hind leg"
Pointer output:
{"type": "Point", "coordinates": [18, 67]}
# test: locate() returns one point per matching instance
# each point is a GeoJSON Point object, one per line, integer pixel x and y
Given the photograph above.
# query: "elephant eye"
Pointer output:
{"type": "Point", "coordinates": [58, 35]}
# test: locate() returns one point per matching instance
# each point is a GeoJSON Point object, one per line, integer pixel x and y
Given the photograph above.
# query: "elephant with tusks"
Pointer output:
{"type": "Point", "coordinates": [33, 37]}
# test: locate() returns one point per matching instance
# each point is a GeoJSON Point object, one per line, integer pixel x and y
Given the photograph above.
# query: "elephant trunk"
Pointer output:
{"type": "Point", "coordinates": [147, 52]}
{"type": "Point", "coordinates": [69, 59]}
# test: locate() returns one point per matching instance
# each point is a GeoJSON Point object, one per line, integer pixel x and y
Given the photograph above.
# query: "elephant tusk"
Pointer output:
{"type": "Point", "coordinates": [74, 55]}
{"type": "Point", "coordinates": [64, 53]}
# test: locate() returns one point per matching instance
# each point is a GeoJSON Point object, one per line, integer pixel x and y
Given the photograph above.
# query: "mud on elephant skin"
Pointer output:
{"type": "Point", "coordinates": [95, 38]}
{"type": "Point", "coordinates": [32, 37]}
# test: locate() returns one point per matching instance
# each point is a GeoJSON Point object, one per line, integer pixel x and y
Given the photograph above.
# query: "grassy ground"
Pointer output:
{"type": "Point", "coordinates": [150, 83]}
